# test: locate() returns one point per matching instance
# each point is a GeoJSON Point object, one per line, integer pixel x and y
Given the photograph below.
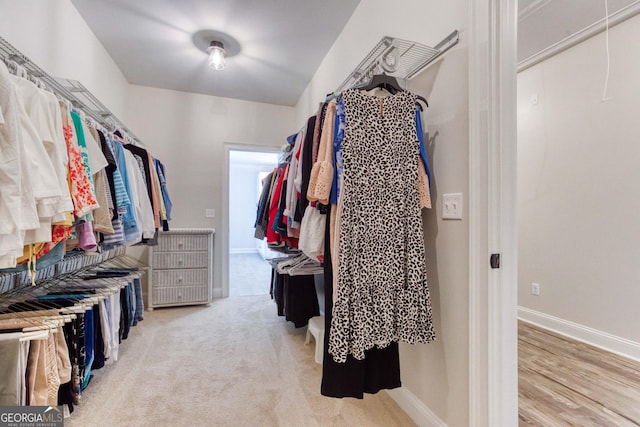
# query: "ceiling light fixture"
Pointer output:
{"type": "Point", "coordinates": [217, 55]}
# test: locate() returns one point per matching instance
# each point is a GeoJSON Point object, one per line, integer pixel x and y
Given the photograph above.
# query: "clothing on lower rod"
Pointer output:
{"type": "Point", "coordinates": [380, 368]}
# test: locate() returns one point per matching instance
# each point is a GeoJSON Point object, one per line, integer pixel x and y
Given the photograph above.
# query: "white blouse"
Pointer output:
{"type": "Point", "coordinates": [142, 205]}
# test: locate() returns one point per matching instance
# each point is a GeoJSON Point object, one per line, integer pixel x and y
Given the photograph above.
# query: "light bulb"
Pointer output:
{"type": "Point", "coordinates": [217, 55]}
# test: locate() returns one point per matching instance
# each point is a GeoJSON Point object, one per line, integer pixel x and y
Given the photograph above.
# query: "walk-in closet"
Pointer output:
{"type": "Point", "coordinates": [303, 213]}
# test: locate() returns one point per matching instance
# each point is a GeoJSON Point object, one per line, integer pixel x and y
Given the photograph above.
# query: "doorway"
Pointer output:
{"type": "Point", "coordinates": [566, 217]}
{"type": "Point", "coordinates": [248, 270]}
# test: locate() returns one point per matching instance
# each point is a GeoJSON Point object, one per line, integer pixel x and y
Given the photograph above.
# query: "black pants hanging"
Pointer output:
{"type": "Point", "coordinates": [295, 297]}
{"type": "Point", "coordinates": [380, 368]}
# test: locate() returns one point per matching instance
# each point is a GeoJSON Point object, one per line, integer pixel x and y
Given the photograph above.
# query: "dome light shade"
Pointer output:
{"type": "Point", "coordinates": [217, 55]}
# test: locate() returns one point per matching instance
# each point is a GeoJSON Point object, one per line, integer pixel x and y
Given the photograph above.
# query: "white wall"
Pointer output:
{"type": "Point", "coordinates": [243, 200]}
{"type": "Point", "coordinates": [187, 132]}
{"type": "Point", "coordinates": [53, 35]}
{"type": "Point", "coordinates": [578, 184]}
{"type": "Point", "coordinates": [436, 374]}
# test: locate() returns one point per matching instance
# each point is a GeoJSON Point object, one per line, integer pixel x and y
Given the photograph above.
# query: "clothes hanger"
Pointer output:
{"type": "Point", "coordinates": [35, 335]}
{"type": "Point", "coordinates": [389, 83]}
{"type": "Point", "coordinates": [67, 104]}
{"type": "Point", "coordinates": [12, 66]}
{"type": "Point", "coordinates": [23, 72]}
{"type": "Point", "coordinates": [305, 266]}
{"type": "Point", "coordinates": [382, 81]}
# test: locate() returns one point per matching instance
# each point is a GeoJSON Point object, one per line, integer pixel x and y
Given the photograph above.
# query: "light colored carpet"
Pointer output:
{"type": "Point", "coordinates": [235, 363]}
{"type": "Point", "coordinates": [249, 274]}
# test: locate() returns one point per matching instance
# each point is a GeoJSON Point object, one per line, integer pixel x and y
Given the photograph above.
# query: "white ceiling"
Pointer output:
{"type": "Point", "coordinates": [281, 42]}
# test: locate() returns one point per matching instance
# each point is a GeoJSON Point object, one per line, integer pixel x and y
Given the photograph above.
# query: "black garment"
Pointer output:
{"type": "Point", "coordinates": [69, 290]}
{"type": "Point", "coordinates": [69, 393]}
{"type": "Point", "coordinates": [301, 300]}
{"type": "Point", "coordinates": [142, 156]}
{"type": "Point", "coordinates": [262, 215]}
{"type": "Point", "coordinates": [306, 163]}
{"type": "Point", "coordinates": [277, 286]}
{"type": "Point", "coordinates": [112, 165]}
{"type": "Point", "coordinates": [318, 135]}
{"type": "Point", "coordinates": [296, 297]}
{"type": "Point", "coordinates": [125, 323]}
{"type": "Point", "coordinates": [131, 298]}
{"type": "Point", "coordinates": [281, 219]}
{"type": "Point", "coordinates": [380, 368]}
{"type": "Point", "coordinates": [98, 342]}
{"type": "Point", "coordinates": [105, 274]}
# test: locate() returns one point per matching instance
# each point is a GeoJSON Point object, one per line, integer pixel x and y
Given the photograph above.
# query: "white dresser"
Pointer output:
{"type": "Point", "coordinates": [181, 268]}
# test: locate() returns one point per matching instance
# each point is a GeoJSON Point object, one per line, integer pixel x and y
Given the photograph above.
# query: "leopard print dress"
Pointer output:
{"type": "Point", "coordinates": [382, 293]}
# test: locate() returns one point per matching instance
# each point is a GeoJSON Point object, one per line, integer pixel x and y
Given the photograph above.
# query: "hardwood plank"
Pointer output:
{"type": "Point", "coordinates": [620, 369]}
{"type": "Point", "coordinates": [581, 373]}
{"type": "Point", "coordinates": [587, 379]}
{"type": "Point", "coordinates": [561, 345]}
{"type": "Point", "coordinates": [544, 402]}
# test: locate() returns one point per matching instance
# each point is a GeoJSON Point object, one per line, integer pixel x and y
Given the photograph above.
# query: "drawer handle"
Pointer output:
{"type": "Point", "coordinates": [180, 279]}
{"type": "Point", "coordinates": [180, 261]}
{"type": "Point", "coordinates": [180, 243]}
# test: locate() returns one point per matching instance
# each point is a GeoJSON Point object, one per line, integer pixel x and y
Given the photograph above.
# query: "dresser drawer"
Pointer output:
{"type": "Point", "coordinates": [165, 278]}
{"type": "Point", "coordinates": [182, 243]}
{"type": "Point", "coordinates": [178, 295]}
{"type": "Point", "coordinates": [181, 268]}
{"type": "Point", "coordinates": [173, 260]}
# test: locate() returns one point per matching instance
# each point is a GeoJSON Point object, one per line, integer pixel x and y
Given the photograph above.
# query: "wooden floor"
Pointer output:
{"type": "Point", "coordinates": [567, 383]}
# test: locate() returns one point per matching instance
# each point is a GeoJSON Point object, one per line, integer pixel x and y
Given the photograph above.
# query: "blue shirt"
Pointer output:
{"type": "Point", "coordinates": [127, 215]}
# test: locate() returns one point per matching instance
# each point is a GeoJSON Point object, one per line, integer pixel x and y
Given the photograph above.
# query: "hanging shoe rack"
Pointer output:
{"type": "Point", "coordinates": [70, 90]}
{"type": "Point", "coordinates": [399, 58]}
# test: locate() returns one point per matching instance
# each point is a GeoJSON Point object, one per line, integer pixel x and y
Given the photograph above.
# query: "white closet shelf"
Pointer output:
{"type": "Point", "coordinates": [71, 90]}
{"type": "Point", "coordinates": [399, 58]}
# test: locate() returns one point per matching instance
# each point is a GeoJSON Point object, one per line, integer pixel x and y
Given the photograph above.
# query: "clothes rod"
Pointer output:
{"type": "Point", "coordinates": [400, 58]}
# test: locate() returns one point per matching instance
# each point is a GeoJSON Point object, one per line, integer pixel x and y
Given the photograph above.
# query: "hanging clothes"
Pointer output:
{"type": "Point", "coordinates": [61, 187]}
{"type": "Point", "coordinates": [17, 204]}
{"type": "Point", "coordinates": [262, 215]}
{"type": "Point", "coordinates": [295, 297]}
{"type": "Point", "coordinates": [12, 371]}
{"type": "Point", "coordinates": [165, 195]}
{"type": "Point", "coordinates": [382, 294]}
{"type": "Point", "coordinates": [305, 168]}
{"type": "Point", "coordinates": [380, 368]}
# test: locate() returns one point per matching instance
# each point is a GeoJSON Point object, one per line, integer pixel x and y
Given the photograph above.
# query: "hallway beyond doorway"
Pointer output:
{"type": "Point", "coordinates": [248, 272]}
{"type": "Point", "coordinates": [249, 275]}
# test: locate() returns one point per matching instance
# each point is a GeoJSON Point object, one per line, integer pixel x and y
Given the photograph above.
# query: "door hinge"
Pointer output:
{"type": "Point", "coordinates": [495, 261]}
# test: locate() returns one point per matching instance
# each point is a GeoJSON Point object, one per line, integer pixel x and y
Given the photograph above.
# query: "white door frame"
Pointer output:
{"type": "Point", "coordinates": [493, 357]}
{"type": "Point", "coordinates": [228, 147]}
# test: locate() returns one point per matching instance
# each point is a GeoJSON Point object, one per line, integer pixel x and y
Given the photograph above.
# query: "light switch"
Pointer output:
{"type": "Point", "coordinates": [209, 213]}
{"type": "Point", "coordinates": [452, 206]}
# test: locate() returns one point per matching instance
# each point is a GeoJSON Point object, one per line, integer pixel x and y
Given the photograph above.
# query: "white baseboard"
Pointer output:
{"type": "Point", "coordinates": [594, 337]}
{"type": "Point", "coordinates": [243, 251]}
{"type": "Point", "coordinates": [415, 408]}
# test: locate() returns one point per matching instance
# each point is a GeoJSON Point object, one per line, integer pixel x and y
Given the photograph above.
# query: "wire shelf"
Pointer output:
{"type": "Point", "coordinates": [71, 90]}
{"type": "Point", "coordinates": [399, 58]}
